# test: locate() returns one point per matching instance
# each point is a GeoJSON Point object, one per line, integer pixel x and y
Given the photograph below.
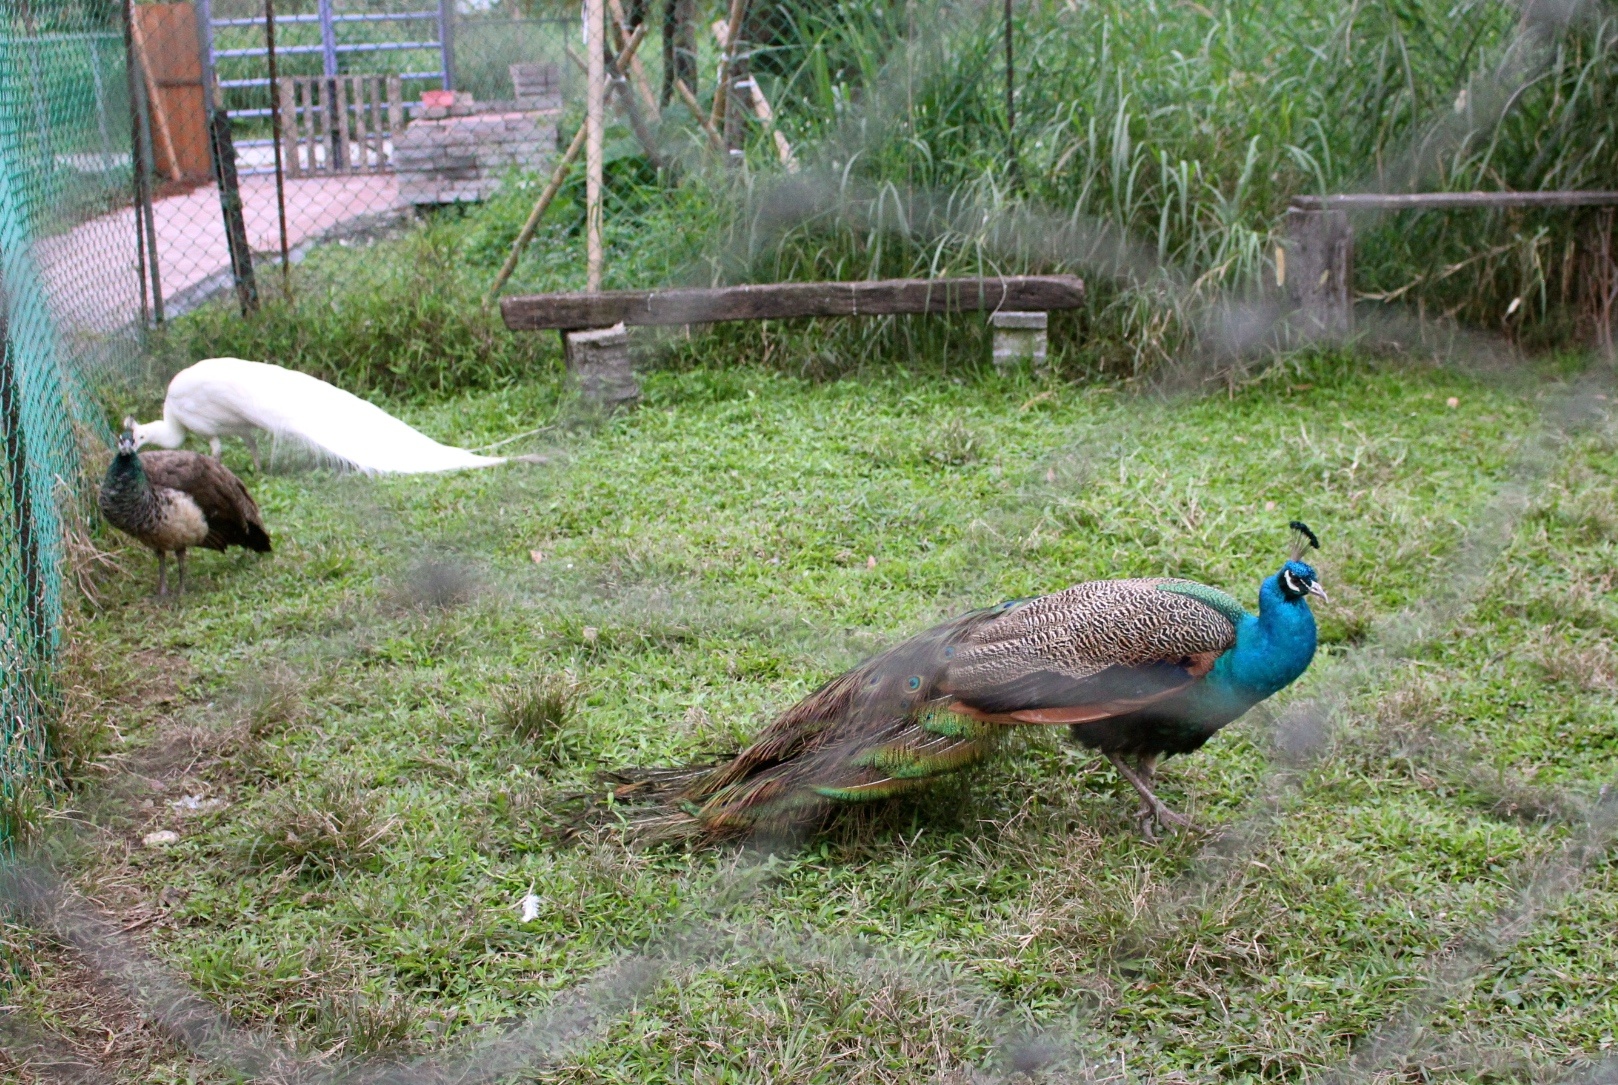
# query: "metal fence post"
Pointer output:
{"type": "Point", "coordinates": [230, 202]}
{"type": "Point", "coordinates": [139, 145]}
{"type": "Point", "coordinates": [335, 150]}
{"type": "Point", "coordinates": [328, 39]}
{"type": "Point", "coordinates": [204, 11]}
{"type": "Point", "coordinates": [446, 42]}
{"type": "Point", "coordinates": [276, 122]}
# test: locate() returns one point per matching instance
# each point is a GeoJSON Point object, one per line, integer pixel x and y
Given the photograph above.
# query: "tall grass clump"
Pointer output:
{"type": "Point", "coordinates": [1157, 146]}
{"type": "Point", "coordinates": [1155, 149]}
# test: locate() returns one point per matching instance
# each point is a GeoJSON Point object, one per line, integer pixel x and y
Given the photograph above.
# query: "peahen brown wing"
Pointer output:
{"type": "Point", "coordinates": [232, 514]}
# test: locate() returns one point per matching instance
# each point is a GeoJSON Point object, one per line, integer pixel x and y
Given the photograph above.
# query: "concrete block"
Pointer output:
{"type": "Point", "coordinates": [600, 364]}
{"type": "Point", "coordinates": [1019, 338]}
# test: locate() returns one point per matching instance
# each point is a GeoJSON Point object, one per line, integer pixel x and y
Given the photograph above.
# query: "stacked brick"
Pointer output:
{"type": "Point", "coordinates": [461, 151]}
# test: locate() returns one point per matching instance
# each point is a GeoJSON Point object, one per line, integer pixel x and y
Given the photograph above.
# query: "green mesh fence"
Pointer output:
{"type": "Point", "coordinates": [68, 300]}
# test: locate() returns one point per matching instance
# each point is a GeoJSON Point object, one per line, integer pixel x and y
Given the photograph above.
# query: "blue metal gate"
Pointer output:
{"type": "Point", "coordinates": [421, 42]}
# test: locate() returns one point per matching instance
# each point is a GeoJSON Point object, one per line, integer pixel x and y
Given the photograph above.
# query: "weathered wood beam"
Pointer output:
{"type": "Point", "coordinates": [1440, 201]}
{"type": "Point", "coordinates": [781, 301]}
{"type": "Point", "coordinates": [1316, 270]}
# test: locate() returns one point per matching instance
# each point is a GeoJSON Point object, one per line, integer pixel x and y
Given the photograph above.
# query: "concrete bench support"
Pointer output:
{"type": "Point", "coordinates": [1019, 339]}
{"type": "Point", "coordinates": [600, 365]}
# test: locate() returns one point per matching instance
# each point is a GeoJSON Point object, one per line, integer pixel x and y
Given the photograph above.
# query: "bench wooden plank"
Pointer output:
{"type": "Point", "coordinates": [781, 301]}
{"type": "Point", "coordinates": [1439, 201]}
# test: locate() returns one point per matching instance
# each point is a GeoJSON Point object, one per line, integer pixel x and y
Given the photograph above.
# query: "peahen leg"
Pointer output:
{"type": "Point", "coordinates": [1152, 808]}
{"type": "Point", "coordinates": [252, 446]}
{"type": "Point", "coordinates": [179, 568]}
{"type": "Point", "coordinates": [162, 573]}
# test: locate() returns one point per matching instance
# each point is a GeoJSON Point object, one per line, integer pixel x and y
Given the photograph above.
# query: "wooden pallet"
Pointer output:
{"type": "Point", "coordinates": [339, 124]}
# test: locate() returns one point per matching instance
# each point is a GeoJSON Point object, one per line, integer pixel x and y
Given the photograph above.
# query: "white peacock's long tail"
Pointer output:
{"type": "Point", "coordinates": [221, 397]}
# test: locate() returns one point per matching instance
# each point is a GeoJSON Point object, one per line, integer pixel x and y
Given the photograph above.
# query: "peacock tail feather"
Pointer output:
{"type": "Point", "coordinates": [875, 732]}
{"type": "Point", "coordinates": [1128, 664]}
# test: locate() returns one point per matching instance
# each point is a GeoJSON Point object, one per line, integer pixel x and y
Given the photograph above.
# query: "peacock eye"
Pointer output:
{"type": "Point", "coordinates": [915, 682]}
{"type": "Point", "coordinates": [949, 652]}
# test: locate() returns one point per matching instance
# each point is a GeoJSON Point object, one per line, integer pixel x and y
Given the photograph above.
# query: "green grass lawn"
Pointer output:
{"type": "Point", "coordinates": [683, 571]}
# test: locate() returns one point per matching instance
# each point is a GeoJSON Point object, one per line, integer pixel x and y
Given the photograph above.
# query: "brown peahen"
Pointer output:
{"type": "Point", "coordinates": [172, 501]}
{"type": "Point", "coordinates": [1137, 669]}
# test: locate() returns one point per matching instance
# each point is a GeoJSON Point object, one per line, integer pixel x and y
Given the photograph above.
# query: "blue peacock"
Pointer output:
{"type": "Point", "coordinates": [1137, 669]}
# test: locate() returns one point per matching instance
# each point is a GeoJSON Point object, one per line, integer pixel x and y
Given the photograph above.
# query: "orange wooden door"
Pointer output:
{"type": "Point", "coordinates": [171, 64]}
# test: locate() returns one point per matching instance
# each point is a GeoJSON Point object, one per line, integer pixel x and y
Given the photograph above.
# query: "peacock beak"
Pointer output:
{"type": "Point", "coordinates": [1316, 589]}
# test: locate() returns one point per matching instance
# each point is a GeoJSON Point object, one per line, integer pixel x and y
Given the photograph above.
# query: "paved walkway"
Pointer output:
{"type": "Point", "coordinates": [91, 273]}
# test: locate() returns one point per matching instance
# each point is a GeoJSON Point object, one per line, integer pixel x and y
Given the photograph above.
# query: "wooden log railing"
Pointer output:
{"type": "Point", "coordinates": [782, 301]}
{"type": "Point", "coordinates": [340, 123]}
{"type": "Point", "coordinates": [1449, 201]}
{"type": "Point", "coordinates": [1315, 269]}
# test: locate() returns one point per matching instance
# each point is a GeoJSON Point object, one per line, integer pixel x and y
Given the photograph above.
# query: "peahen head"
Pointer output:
{"type": "Point", "coordinates": [1297, 577]}
{"type": "Point", "coordinates": [125, 466]}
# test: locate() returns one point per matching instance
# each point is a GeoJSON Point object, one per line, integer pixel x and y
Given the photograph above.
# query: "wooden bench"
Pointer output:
{"type": "Point", "coordinates": [339, 123]}
{"type": "Point", "coordinates": [1316, 268]}
{"type": "Point", "coordinates": [785, 301]}
{"type": "Point", "coordinates": [600, 358]}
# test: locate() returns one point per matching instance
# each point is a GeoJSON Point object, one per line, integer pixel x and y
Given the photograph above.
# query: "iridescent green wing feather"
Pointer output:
{"type": "Point", "coordinates": [1213, 597]}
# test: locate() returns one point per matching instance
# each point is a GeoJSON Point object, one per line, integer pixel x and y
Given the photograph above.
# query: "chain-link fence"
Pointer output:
{"type": "Point", "coordinates": [69, 301]}
{"type": "Point", "coordinates": [330, 117]}
{"type": "Point", "coordinates": [337, 117]}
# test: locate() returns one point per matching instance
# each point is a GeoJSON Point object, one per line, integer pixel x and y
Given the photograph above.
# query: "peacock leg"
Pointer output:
{"type": "Point", "coordinates": [214, 445]}
{"type": "Point", "coordinates": [1152, 808]}
{"type": "Point", "coordinates": [252, 446]}
{"type": "Point", "coordinates": [162, 573]}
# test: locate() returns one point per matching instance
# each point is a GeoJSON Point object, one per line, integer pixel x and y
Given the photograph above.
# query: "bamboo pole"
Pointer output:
{"type": "Point", "coordinates": [636, 71]}
{"type": "Point", "coordinates": [733, 26]}
{"type": "Point", "coordinates": [594, 123]}
{"type": "Point", "coordinates": [615, 74]}
{"type": "Point", "coordinates": [620, 83]}
{"type": "Point", "coordinates": [766, 116]}
{"type": "Point", "coordinates": [696, 111]}
{"type": "Point", "coordinates": [526, 234]}
{"type": "Point", "coordinates": [154, 103]}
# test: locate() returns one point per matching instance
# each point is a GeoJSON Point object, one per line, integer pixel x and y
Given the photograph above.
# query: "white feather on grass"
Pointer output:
{"type": "Point", "coordinates": [230, 397]}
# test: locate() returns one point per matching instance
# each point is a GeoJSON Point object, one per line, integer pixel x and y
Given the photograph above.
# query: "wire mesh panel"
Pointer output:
{"type": "Point", "coordinates": [69, 300]}
{"type": "Point", "coordinates": [67, 113]}
{"type": "Point", "coordinates": [343, 117]}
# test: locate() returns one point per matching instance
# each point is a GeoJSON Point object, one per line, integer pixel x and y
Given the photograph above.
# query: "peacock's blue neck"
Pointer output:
{"type": "Point", "coordinates": [1271, 651]}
